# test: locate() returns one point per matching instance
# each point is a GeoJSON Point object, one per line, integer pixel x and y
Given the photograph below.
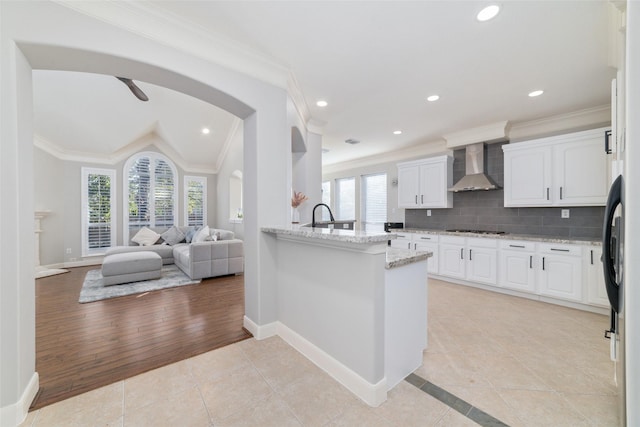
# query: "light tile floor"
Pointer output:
{"type": "Point", "coordinates": [523, 362]}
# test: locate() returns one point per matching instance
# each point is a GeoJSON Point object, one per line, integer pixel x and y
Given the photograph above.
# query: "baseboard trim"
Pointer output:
{"type": "Point", "coordinates": [371, 394]}
{"type": "Point", "coordinates": [260, 332]}
{"type": "Point", "coordinates": [16, 413]}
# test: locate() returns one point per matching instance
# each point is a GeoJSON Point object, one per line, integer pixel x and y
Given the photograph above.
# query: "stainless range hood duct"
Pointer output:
{"type": "Point", "coordinates": [475, 178]}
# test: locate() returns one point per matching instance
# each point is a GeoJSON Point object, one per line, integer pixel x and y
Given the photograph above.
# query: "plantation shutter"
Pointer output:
{"type": "Point", "coordinates": [163, 194]}
{"type": "Point", "coordinates": [195, 192]}
{"type": "Point", "coordinates": [140, 193]}
{"type": "Point", "coordinates": [98, 222]}
{"type": "Point", "coordinates": [326, 199]}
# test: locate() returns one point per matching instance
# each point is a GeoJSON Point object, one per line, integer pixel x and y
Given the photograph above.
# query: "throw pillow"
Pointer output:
{"type": "Point", "coordinates": [188, 237]}
{"type": "Point", "coordinates": [224, 234]}
{"type": "Point", "coordinates": [145, 237]}
{"type": "Point", "coordinates": [173, 236]}
{"type": "Point", "coordinates": [202, 235]}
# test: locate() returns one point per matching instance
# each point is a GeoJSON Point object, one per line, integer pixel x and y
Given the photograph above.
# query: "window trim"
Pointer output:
{"type": "Point", "coordinates": [84, 197]}
{"type": "Point", "coordinates": [153, 155]}
{"type": "Point", "coordinates": [185, 197]}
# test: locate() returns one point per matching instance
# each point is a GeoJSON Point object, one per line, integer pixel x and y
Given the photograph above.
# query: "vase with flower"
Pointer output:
{"type": "Point", "coordinates": [297, 199]}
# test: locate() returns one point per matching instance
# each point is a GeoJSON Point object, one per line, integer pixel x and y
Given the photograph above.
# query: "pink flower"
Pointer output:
{"type": "Point", "coordinates": [297, 199]}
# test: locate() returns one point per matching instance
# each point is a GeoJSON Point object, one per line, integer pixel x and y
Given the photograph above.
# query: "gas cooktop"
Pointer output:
{"type": "Point", "coordinates": [475, 231]}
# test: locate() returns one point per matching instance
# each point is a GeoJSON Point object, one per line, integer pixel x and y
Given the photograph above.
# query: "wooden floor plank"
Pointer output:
{"type": "Point", "coordinates": [81, 347]}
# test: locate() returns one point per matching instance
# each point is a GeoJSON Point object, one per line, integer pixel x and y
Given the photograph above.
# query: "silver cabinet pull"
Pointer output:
{"type": "Point", "coordinates": [560, 250]}
{"type": "Point", "coordinates": [461, 253]}
{"type": "Point", "coordinates": [422, 199]}
{"type": "Point", "coordinates": [517, 246]}
{"type": "Point", "coordinates": [530, 261]}
{"type": "Point", "coordinates": [560, 193]}
{"type": "Point", "coordinates": [416, 199]}
{"type": "Point", "coordinates": [470, 258]}
{"type": "Point", "coordinates": [543, 263]}
{"type": "Point", "coordinates": [547, 193]}
{"type": "Point", "coordinates": [426, 238]}
{"type": "Point", "coordinates": [591, 256]}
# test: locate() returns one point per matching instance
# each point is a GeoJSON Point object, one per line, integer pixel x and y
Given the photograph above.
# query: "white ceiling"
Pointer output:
{"type": "Point", "coordinates": [373, 62]}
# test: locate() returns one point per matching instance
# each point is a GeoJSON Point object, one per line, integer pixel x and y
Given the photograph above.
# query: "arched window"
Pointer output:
{"type": "Point", "coordinates": [150, 192]}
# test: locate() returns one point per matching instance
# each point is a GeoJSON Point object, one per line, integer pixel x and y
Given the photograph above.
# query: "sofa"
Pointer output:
{"type": "Point", "coordinates": [199, 252]}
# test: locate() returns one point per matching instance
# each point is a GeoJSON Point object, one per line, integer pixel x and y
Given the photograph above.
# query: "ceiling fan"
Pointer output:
{"type": "Point", "coordinates": [134, 89]}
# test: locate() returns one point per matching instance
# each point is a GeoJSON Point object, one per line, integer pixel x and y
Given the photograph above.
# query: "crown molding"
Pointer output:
{"type": "Point", "coordinates": [121, 154]}
{"type": "Point", "coordinates": [575, 121]}
{"type": "Point", "coordinates": [487, 133]}
{"type": "Point", "coordinates": [171, 30]}
{"type": "Point", "coordinates": [416, 151]}
{"type": "Point", "coordinates": [235, 125]}
{"type": "Point", "coordinates": [298, 98]}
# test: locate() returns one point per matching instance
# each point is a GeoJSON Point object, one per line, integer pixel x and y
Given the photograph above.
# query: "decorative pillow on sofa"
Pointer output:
{"type": "Point", "coordinates": [222, 234]}
{"type": "Point", "coordinates": [201, 235]}
{"type": "Point", "coordinates": [145, 237]}
{"type": "Point", "coordinates": [173, 236]}
{"type": "Point", "coordinates": [188, 236]}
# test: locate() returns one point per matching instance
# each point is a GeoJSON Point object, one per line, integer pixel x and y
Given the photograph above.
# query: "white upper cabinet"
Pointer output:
{"type": "Point", "coordinates": [565, 170]}
{"type": "Point", "coordinates": [424, 183]}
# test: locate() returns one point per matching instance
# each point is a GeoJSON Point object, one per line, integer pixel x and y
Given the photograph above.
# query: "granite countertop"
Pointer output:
{"type": "Point", "coordinates": [509, 236]}
{"type": "Point", "coordinates": [338, 235]}
{"type": "Point", "coordinates": [399, 257]}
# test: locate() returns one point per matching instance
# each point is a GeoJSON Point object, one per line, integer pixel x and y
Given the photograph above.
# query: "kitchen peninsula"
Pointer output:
{"type": "Point", "coordinates": [352, 305]}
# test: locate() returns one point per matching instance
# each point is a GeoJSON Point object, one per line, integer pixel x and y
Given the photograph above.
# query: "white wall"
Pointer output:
{"type": "Point", "coordinates": [55, 37]}
{"type": "Point", "coordinates": [232, 162]}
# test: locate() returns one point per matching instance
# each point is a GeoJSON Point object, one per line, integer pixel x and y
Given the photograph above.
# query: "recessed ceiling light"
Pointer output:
{"type": "Point", "coordinates": [397, 132]}
{"type": "Point", "coordinates": [322, 103]}
{"type": "Point", "coordinates": [488, 13]}
{"type": "Point", "coordinates": [205, 131]}
{"type": "Point", "coordinates": [433, 98]}
{"type": "Point", "coordinates": [536, 93]}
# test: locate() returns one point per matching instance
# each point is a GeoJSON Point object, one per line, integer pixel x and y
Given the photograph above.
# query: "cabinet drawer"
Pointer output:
{"type": "Point", "coordinates": [426, 238]}
{"type": "Point", "coordinates": [454, 240]}
{"type": "Point", "coordinates": [550, 248]}
{"type": "Point", "coordinates": [403, 236]}
{"type": "Point", "coordinates": [517, 245]}
{"type": "Point", "coordinates": [479, 242]}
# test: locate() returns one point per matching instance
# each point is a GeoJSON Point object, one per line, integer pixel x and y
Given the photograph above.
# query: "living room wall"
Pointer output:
{"type": "Point", "coordinates": [58, 189]}
{"type": "Point", "coordinates": [233, 161]}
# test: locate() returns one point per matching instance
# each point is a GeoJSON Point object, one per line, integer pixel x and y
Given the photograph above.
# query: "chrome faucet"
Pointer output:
{"type": "Point", "coordinates": [313, 218]}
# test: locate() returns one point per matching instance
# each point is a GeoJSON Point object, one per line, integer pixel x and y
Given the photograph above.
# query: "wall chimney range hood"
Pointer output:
{"type": "Point", "coordinates": [475, 178]}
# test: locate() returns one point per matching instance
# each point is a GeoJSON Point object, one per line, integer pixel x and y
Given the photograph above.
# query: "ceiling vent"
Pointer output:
{"type": "Point", "coordinates": [352, 141]}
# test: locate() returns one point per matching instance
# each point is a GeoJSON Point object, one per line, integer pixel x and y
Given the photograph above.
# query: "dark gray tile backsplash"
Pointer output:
{"type": "Point", "coordinates": [484, 210]}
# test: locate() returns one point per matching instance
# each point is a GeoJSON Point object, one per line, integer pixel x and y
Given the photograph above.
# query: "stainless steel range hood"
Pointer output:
{"type": "Point", "coordinates": [475, 178]}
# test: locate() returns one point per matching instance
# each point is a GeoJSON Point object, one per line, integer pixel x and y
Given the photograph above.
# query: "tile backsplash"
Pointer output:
{"type": "Point", "coordinates": [484, 210]}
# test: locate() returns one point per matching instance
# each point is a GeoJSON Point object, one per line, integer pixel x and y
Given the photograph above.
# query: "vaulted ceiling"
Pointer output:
{"type": "Point", "coordinates": [375, 63]}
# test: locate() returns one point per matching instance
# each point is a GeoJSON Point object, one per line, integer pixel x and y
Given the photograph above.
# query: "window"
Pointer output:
{"type": "Point", "coordinates": [373, 208]}
{"type": "Point", "coordinates": [150, 192]}
{"type": "Point", "coordinates": [345, 198]}
{"type": "Point", "coordinates": [326, 199]}
{"type": "Point", "coordinates": [98, 207]}
{"type": "Point", "coordinates": [195, 200]}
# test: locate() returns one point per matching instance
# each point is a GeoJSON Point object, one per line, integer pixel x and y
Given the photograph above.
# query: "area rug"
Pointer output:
{"type": "Point", "coordinates": [93, 288]}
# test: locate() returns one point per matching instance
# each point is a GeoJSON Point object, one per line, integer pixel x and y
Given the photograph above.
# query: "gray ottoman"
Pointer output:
{"type": "Point", "coordinates": [131, 267]}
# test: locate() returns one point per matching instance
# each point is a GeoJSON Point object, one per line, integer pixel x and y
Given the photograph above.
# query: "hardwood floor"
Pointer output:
{"type": "Point", "coordinates": [80, 347]}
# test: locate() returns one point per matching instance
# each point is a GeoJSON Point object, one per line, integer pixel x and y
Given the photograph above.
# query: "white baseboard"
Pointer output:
{"type": "Point", "coordinates": [371, 394]}
{"type": "Point", "coordinates": [260, 332]}
{"type": "Point", "coordinates": [15, 414]}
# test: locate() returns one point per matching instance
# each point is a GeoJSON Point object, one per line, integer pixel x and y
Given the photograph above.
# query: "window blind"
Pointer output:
{"type": "Point", "coordinates": [374, 201]}
{"type": "Point", "coordinates": [326, 199]}
{"type": "Point", "coordinates": [195, 190]}
{"type": "Point", "coordinates": [345, 198]}
{"type": "Point", "coordinates": [98, 205]}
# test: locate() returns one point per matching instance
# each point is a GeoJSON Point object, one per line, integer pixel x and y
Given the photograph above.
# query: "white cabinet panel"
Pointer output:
{"type": "Point", "coordinates": [517, 266]}
{"type": "Point", "coordinates": [561, 271]}
{"type": "Point", "coordinates": [424, 183]}
{"type": "Point", "coordinates": [482, 265]}
{"type": "Point", "coordinates": [594, 276]}
{"type": "Point", "coordinates": [564, 170]}
{"type": "Point", "coordinates": [452, 261]}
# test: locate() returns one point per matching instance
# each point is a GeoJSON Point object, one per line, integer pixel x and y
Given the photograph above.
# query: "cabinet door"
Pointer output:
{"type": "Point", "coordinates": [433, 187]}
{"type": "Point", "coordinates": [432, 263]}
{"type": "Point", "coordinates": [517, 270]}
{"type": "Point", "coordinates": [527, 177]}
{"type": "Point", "coordinates": [452, 260]}
{"type": "Point", "coordinates": [561, 277]}
{"type": "Point", "coordinates": [408, 186]}
{"type": "Point", "coordinates": [581, 173]}
{"type": "Point", "coordinates": [596, 291]}
{"type": "Point", "coordinates": [482, 265]}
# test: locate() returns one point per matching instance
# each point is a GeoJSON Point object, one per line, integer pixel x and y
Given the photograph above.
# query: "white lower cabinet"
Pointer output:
{"type": "Point", "coordinates": [402, 241]}
{"type": "Point", "coordinates": [560, 271]}
{"type": "Point", "coordinates": [428, 242]}
{"type": "Point", "coordinates": [594, 276]}
{"type": "Point", "coordinates": [482, 260]}
{"type": "Point", "coordinates": [517, 268]}
{"type": "Point", "coordinates": [452, 259]}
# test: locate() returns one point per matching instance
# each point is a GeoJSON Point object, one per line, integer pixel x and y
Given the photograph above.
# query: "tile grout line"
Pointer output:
{"type": "Point", "coordinates": [474, 414]}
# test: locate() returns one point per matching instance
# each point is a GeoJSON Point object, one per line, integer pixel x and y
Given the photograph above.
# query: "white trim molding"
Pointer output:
{"type": "Point", "coordinates": [14, 414]}
{"type": "Point", "coordinates": [371, 394]}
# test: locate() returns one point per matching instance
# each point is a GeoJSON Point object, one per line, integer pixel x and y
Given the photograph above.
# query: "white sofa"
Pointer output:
{"type": "Point", "coordinates": [198, 260]}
